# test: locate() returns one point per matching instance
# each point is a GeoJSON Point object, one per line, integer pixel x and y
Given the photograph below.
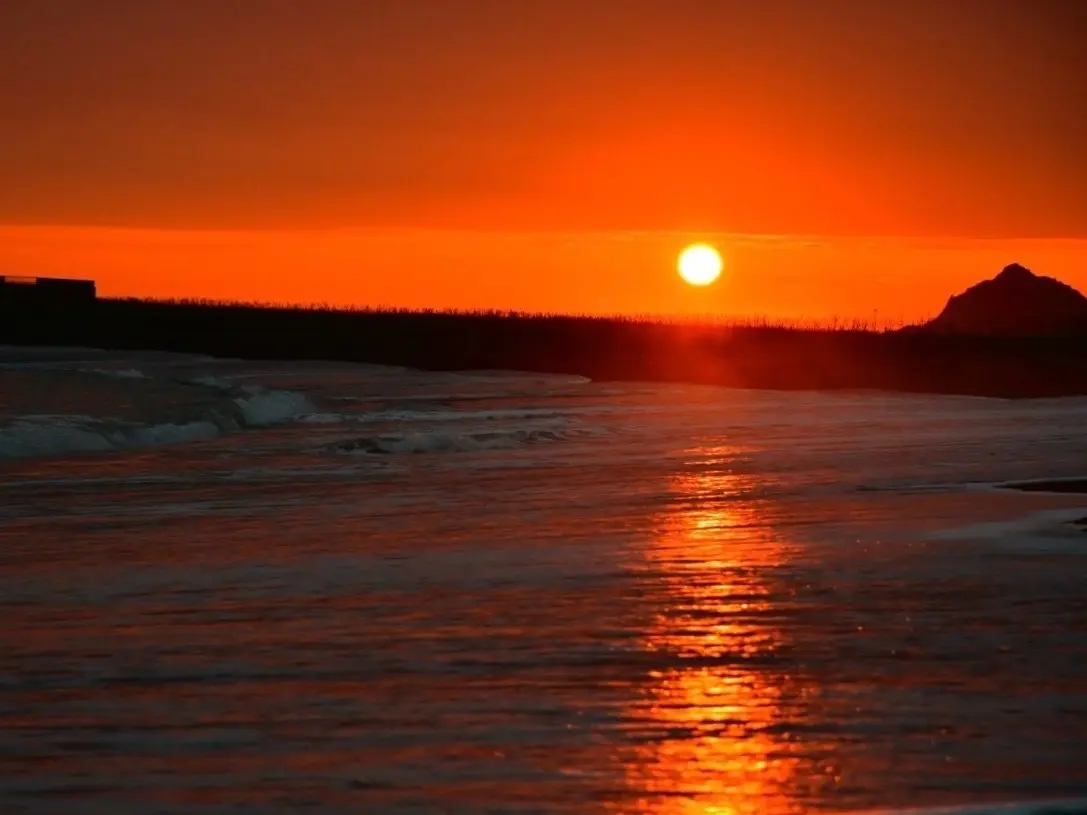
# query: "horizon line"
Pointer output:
{"type": "Point", "coordinates": [616, 233]}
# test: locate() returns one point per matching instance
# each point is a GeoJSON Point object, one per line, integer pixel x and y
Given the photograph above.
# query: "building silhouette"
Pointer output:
{"type": "Point", "coordinates": [32, 292]}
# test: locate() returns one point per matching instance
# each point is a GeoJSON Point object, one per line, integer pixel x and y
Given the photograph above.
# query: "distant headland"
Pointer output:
{"type": "Point", "coordinates": [1015, 303]}
{"type": "Point", "coordinates": [1017, 335]}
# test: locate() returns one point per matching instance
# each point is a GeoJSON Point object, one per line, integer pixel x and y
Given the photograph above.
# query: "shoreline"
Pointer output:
{"type": "Point", "coordinates": [603, 349]}
{"type": "Point", "coordinates": [1063, 486]}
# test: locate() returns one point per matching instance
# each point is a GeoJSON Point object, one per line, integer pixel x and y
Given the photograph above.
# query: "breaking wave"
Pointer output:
{"type": "Point", "coordinates": [89, 401]}
{"type": "Point", "coordinates": [52, 435]}
{"type": "Point", "coordinates": [33, 436]}
{"type": "Point", "coordinates": [262, 408]}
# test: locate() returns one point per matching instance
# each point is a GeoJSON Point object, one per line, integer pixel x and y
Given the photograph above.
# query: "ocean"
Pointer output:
{"type": "Point", "coordinates": [232, 586]}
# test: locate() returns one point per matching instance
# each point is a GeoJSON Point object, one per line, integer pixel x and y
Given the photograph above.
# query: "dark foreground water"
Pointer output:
{"type": "Point", "coordinates": [232, 587]}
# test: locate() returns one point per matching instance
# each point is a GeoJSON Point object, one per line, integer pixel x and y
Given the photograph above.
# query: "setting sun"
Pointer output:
{"type": "Point", "coordinates": [699, 264]}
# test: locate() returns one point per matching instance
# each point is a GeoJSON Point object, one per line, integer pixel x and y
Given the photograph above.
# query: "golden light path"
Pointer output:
{"type": "Point", "coordinates": [723, 720]}
{"type": "Point", "coordinates": [699, 264]}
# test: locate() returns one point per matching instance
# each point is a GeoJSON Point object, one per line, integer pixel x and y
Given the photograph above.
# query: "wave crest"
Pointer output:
{"type": "Point", "coordinates": [447, 442]}
{"type": "Point", "coordinates": [50, 435]}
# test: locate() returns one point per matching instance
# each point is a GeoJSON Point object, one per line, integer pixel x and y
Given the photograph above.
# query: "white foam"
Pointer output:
{"type": "Point", "coordinates": [122, 373]}
{"type": "Point", "coordinates": [263, 408]}
{"type": "Point", "coordinates": [445, 442]}
{"type": "Point", "coordinates": [213, 382]}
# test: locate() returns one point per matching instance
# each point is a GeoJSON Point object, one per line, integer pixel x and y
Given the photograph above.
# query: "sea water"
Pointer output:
{"type": "Point", "coordinates": [232, 586]}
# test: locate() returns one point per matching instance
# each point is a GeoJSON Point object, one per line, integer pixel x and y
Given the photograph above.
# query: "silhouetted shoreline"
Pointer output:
{"type": "Point", "coordinates": [1076, 486]}
{"type": "Point", "coordinates": [765, 357]}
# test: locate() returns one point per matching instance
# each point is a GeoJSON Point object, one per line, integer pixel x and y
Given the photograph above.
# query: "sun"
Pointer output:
{"type": "Point", "coordinates": [699, 264]}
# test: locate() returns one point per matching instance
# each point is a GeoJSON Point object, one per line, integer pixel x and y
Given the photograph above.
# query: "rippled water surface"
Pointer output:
{"type": "Point", "coordinates": [361, 589]}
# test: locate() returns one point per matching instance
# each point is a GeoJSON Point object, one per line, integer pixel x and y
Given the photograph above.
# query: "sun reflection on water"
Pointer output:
{"type": "Point", "coordinates": [715, 730]}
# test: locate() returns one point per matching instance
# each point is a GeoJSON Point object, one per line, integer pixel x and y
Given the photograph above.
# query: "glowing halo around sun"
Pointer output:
{"type": "Point", "coordinates": [699, 264]}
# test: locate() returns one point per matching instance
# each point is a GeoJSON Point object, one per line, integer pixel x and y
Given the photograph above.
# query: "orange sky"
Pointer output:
{"type": "Point", "coordinates": [545, 156]}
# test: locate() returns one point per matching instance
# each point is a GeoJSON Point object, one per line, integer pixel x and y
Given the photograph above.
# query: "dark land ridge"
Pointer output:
{"type": "Point", "coordinates": [1016, 302]}
{"type": "Point", "coordinates": [1016, 336]}
{"type": "Point", "coordinates": [1066, 485]}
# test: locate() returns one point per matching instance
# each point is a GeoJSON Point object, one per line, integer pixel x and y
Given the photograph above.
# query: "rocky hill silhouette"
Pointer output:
{"type": "Point", "coordinates": [1016, 302]}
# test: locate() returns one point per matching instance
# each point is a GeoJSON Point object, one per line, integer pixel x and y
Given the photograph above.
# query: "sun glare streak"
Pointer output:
{"type": "Point", "coordinates": [723, 704]}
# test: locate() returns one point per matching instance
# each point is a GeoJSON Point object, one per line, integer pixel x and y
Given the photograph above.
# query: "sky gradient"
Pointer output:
{"type": "Point", "coordinates": [547, 154]}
